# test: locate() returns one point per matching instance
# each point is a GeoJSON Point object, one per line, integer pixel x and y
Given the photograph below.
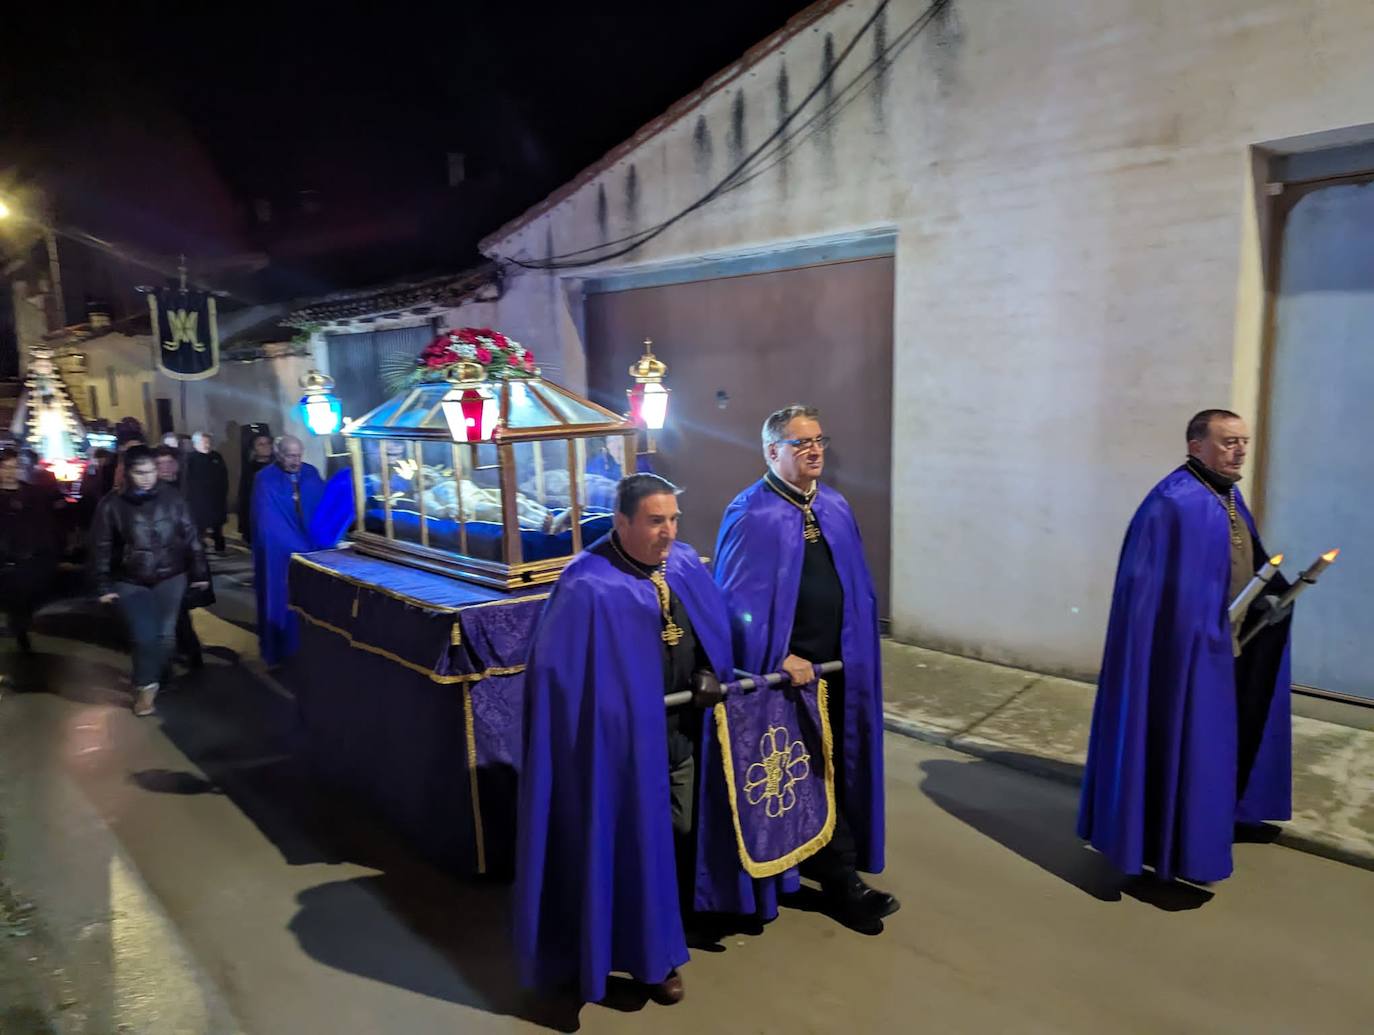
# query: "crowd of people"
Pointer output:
{"type": "Point", "coordinates": [137, 531]}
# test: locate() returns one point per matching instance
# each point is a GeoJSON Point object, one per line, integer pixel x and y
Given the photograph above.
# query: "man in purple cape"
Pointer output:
{"type": "Point", "coordinates": [791, 563]}
{"type": "Point", "coordinates": [285, 497]}
{"type": "Point", "coordinates": [606, 815]}
{"type": "Point", "coordinates": [1191, 735]}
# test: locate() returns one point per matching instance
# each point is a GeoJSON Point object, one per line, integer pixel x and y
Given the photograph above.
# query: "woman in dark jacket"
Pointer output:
{"type": "Point", "coordinates": [259, 456]}
{"type": "Point", "coordinates": [144, 548]}
{"type": "Point", "coordinates": [205, 481]}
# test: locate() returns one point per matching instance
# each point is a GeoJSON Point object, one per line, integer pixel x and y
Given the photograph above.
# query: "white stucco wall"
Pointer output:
{"type": "Point", "coordinates": [1077, 263]}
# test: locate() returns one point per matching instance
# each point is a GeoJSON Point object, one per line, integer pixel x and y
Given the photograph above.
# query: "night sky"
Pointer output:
{"type": "Point", "coordinates": [177, 131]}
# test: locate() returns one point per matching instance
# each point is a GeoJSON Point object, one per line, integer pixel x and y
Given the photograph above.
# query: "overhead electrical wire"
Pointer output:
{"type": "Point", "coordinates": [779, 137]}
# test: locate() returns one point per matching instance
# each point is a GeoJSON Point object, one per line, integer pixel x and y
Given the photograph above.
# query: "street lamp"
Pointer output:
{"type": "Point", "coordinates": [320, 407]}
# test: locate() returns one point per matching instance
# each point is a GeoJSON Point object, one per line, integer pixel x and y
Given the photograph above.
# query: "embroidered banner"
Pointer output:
{"type": "Point", "coordinates": [777, 751]}
{"type": "Point", "coordinates": [187, 332]}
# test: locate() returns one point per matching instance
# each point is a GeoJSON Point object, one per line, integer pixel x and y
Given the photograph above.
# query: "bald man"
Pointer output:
{"type": "Point", "coordinates": [285, 496]}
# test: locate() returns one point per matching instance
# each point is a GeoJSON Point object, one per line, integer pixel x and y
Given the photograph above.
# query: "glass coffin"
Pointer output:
{"type": "Point", "coordinates": [508, 512]}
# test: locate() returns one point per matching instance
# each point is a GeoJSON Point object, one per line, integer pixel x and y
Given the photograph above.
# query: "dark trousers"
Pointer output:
{"type": "Point", "coordinates": [834, 865]}
{"type": "Point", "coordinates": [217, 533]}
{"type": "Point", "coordinates": [150, 612]}
{"type": "Point", "coordinates": [23, 587]}
{"type": "Point", "coordinates": [188, 643]}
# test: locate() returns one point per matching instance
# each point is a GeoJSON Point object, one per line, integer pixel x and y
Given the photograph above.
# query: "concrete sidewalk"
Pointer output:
{"type": "Point", "coordinates": [1041, 723]}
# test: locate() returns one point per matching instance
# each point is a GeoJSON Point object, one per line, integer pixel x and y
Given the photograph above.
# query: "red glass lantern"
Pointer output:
{"type": "Point", "coordinates": [471, 407]}
{"type": "Point", "coordinates": [648, 397]}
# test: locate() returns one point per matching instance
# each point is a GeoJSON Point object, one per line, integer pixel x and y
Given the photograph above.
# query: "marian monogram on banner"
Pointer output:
{"type": "Point", "coordinates": [187, 331]}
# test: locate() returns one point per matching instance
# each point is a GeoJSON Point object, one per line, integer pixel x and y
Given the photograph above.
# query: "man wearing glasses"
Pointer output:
{"type": "Point", "coordinates": [790, 561]}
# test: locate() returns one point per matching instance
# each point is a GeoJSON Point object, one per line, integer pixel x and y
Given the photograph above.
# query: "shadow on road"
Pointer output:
{"type": "Point", "coordinates": [412, 926]}
{"type": "Point", "coordinates": [989, 797]}
{"type": "Point", "coordinates": [460, 951]}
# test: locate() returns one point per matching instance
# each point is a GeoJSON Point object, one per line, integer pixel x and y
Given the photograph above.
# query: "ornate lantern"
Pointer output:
{"type": "Point", "coordinates": [471, 407]}
{"type": "Point", "coordinates": [320, 407]}
{"type": "Point", "coordinates": [648, 396]}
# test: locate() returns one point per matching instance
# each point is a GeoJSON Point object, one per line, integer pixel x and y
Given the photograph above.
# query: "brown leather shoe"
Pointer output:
{"type": "Point", "coordinates": [668, 991]}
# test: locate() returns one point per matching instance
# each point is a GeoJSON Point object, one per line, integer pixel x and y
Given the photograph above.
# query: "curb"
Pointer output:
{"type": "Point", "coordinates": [1071, 774]}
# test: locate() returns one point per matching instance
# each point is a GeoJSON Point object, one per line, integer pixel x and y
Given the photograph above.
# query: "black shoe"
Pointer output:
{"type": "Point", "coordinates": [859, 907]}
{"type": "Point", "coordinates": [668, 991]}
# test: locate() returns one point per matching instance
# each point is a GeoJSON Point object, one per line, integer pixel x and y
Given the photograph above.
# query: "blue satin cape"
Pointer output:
{"type": "Point", "coordinates": [595, 876]}
{"type": "Point", "coordinates": [1160, 786]}
{"type": "Point", "coordinates": [758, 565]}
{"type": "Point", "coordinates": [278, 533]}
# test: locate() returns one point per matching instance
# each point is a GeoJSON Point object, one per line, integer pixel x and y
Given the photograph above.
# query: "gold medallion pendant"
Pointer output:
{"type": "Point", "coordinates": [672, 632]}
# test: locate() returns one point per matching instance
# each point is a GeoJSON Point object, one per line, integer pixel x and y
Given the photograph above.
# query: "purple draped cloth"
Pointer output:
{"type": "Point", "coordinates": [759, 565]}
{"type": "Point", "coordinates": [595, 875]}
{"type": "Point", "coordinates": [279, 530]}
{"type": "Point", "coordinates": [1160, 788]}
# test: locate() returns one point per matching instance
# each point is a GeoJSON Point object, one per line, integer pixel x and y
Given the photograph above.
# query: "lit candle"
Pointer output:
{"type": "Point", "coordinates": [1241, 605]}
{"type": "Point", "coordinates": [1280, 610]}
{"type": "Point", "coordinates": [1309, 577]}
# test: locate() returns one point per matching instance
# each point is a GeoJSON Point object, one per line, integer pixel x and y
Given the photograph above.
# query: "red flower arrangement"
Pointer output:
{"type": "Point", "coordinates": [503, 357]}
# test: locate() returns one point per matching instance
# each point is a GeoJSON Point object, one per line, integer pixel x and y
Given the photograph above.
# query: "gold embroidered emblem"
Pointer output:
{"type": "Point", "coordinates": [182, 323]}
{"type": "Point", "coordinates": [772, 780]}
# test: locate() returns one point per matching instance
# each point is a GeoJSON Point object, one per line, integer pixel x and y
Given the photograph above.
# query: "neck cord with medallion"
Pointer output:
{"type": "Point", "coordinates": [1229, 499]}
{"type": "Point", "coordinates": [811, 528]}
{"type": "Point", "coordinates": [672, 632]}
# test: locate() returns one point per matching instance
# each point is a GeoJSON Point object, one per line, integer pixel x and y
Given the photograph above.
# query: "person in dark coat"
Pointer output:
{"type": "Point", "coordinates": [206, 485]}
{"type": "Point", "coordinates": [145, 549]}
{"type": "Point", "coordinates": [28, 547]}
{"type": "Point", "coordinates": [259, 456]}
{"type": "Point", "coordinates": [188, 643]}
{"type": "Point", "coordinates": [95, 483]}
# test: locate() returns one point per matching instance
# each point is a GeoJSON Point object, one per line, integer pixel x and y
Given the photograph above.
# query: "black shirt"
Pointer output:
{"type": "Point", "coordinates": [819, 616]}
{"type": "Point", "coordinates": [680, 660]}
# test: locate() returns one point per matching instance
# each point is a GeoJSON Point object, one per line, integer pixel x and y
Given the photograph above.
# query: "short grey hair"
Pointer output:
{"type": "Point", "coordinates": [775, 427]}
{"type": "Point", "coordinates": [200, 436]}
{"type": "Point", "coordinates": [282, 441]}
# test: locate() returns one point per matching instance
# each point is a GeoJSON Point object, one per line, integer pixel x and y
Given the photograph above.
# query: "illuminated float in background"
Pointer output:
{"type": "Point", "coordinates": [48, 422]}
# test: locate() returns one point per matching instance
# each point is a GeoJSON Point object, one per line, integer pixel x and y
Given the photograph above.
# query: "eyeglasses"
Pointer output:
{"type": "Point", "coordinates": [802, 445]}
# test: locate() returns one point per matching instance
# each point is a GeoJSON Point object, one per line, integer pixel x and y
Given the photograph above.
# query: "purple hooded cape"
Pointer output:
{"type": "Point", "coordinates": [595, 874]}
{"type": "Point", "coordinates": [758, 565]}
{"type": "Point", "coordinates": [1160, 788]}
{"type": "Point", "coordinates": [278, 533]}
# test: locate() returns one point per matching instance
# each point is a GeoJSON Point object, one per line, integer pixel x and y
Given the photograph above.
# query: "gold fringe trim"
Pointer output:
{"type": "Point", "coordinates": [773, 867]}
{"type": "Point", "coordinates": [381, 652]}
{"type": "Point", "coordinates": [471, 733]}
{"type": "Point", "coordinates": [455, 635]}
{"type": "Point", "coordinates": [357, 593]}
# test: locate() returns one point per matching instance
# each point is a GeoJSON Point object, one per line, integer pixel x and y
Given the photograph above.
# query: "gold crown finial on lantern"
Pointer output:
{"type": "Point", "coordinates": [648, 368]}
{"type": "Point", "coordinates": [315, 382]}
{"type": "Point", "coordinates": [467, 372]}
